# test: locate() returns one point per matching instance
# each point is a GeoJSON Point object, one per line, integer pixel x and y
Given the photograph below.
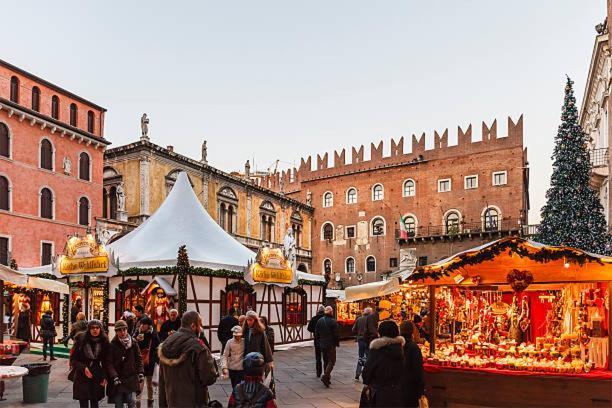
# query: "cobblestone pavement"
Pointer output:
{"type": "Point", "coordinates": [296, 383]}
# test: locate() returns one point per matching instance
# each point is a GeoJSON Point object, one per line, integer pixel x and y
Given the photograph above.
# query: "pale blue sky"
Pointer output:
{"type": "Point", "coordinates": [285, 79]}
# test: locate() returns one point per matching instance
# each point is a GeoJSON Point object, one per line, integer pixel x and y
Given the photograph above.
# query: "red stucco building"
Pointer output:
{"type": "Point", "coordinates": [51, 159]}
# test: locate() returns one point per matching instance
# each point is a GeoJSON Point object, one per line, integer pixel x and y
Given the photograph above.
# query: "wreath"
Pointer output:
{"type": "Point", "coordinates": [519, 280]}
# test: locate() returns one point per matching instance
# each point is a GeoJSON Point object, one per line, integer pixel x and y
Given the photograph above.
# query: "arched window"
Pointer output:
{"type": "Point", "coordinates": [410, 225]}
{"type": "Point", "coordinates": [378, 192]}
{"type": "Point", "coordinates": [14, 89]}
{"type": "Point", "coordinates": [328, 199]}
{"type": "Point", "coordinates": [267, 221]}
{"type": "Point", "coordinates": [327, 266]}
{"type": "Point", "coordinates": [73, 114]}
{"type": "Point", "coordinates": [46, 154]}
{"type": "Point", "coordinates": [370, 264]}
{"type": "Point", "coordinates": [409, 189]}
{"type": "Point", "coordinates": [5, 191]}
{"type": "Point", "coordinates": [5, 141]}
{"type": "Point", "coordinates": [90, 121]}
{"type": "Point", "coordinates": [328, 231]}
{"type": "Point", "coordinates": [113, 203]}
{"type": "Point", "coordinates": [104, 203]}
{"type": "Point", "coordinates": [297, 225]}
{"type": "Point", "coordinates": [294, 307]}
{"type": "Point", "coordinates": [55, 107]}
{"type": "Point", "coordinates": [350, 265]}
{"type": "Point", "coordinates": [378, 226]}
{"type": "Point", "coordinates": [84, 166]}
{"type": "Point", "coordinates": [239, 296]}
{"type": "Point", "coordinates": [84, 211]}
{"type": "Point", "coordinates": [490, 219]}
{"type": "Point", "coordinates": [228, 203]}
{"type": "Point", "coordinates": [351, 196]}
{"type": "Point", "coordinates": [46, 203]}
{"type": "Point", "coordinates": [452, 222]}
{"type": "Point", "coordinates": [36, 99]}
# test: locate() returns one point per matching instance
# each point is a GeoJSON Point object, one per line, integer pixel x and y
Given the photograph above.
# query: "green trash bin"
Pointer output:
{"type": "Point", "coordinates": [36, 383]}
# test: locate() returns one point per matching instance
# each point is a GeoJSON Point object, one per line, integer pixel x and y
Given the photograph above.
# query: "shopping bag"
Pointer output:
{"type": "Point", "coordinates": [155, 378]}
{"type": "Point", "coordinates": [423, 402]}
{"type": "Point", "coordinates": [269, 382]}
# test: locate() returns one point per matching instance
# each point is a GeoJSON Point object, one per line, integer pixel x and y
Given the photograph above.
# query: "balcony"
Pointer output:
{"type": "Point", "coordinates": [599, 157]}
{"type": "Point", "coordinates": [599, 167]}
{"type": "Point", "coordinates": [255, 244]}
{"type": "Point", "coordinates": [490, 228]}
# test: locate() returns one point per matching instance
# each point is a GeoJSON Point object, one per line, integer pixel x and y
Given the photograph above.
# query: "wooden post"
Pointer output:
{"type": "Point", "coordinates": [609, 325]}
{"type": "Point", "coordinates": [85, 302]}
{"type": "Point", "coordinates": [432, 319]}
{"type": "Point", "coordinates": [2, 311]}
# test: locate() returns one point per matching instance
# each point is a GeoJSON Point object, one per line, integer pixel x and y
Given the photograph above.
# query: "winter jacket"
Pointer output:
{"type": "Point", "coordinates": [256, 342]}
{"type": "Point", "coordinates": [251, 394]}
{"type": "Point", "coordinates": [383, 372]}
{"type": "Point", "coordinates": [24, 331]}
{"type": "Point", "coordinates": [233, 355]}
{"type": "Point", "coordinates": [77, 327]}
{"type": "Point", "coordinates": [269, 331]}
{"type": "Point", "coordinates": [150, 341]}
{"type": "Point", "coordinates": [167, 327]}
{"type": "Point", "coordinates": [326, 333]}
{"type": "Point", "coordinates": [186, 370]}
{"type": "Point", "coordinates": [125, 364]}
{"type": "Point", "coordinates": [84, 355]}
{"type": "Point", "coordinates": [413, 378]}
{"type": "Point", "coordinates": [224, 332]}
{"type": "Point", "coordinates": [312, 324]}
{"type": "Point", "coordinates": [47, 327]}
{"type": "Point", "coordinates": [365, 328]}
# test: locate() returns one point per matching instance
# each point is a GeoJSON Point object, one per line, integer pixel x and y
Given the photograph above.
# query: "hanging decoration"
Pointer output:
{"type": "Point", "coordinates": [182, 270]}
{"type": "Point", "coordinates": [519, 280]}
{"type": "Point", "coordinates": [65, 317]}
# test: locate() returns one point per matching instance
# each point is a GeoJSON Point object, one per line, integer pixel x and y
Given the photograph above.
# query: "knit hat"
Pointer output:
{"type": "Point", "coordinates": [93, 323]}
{"type": "Point", "coordinates": [253, 365]}
{"type": "Point", "coordinates": [237, 330]}
{"type": "Point", "coordinates": [253, 314]}
{"type": "Point", "coordinates": [120, 324]}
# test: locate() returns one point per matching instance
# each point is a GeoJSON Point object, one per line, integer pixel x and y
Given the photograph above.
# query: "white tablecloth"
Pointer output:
{"type": "Point", "coordinates": [598, 351]}
{"type": "Point", "coordinates": [7, 372]}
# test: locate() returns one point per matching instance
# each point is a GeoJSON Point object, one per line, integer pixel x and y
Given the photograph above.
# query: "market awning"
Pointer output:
{"type": "Point", "coordinates": [21, 279]}
{"type": "Point", "coordinates": [310, 277]}
{"type": "Point", "coordinates": [371, 290]}
{"type": "Point", "coordinates": [335, 294]}
{"type": "Point", "coordinates": [14, 277]}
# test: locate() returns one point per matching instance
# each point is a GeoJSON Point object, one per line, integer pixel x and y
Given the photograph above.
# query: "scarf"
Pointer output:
{"type": "Point", "coordinates": [93, 354]}
{"type": "Point", "coordinates": [127, 342]}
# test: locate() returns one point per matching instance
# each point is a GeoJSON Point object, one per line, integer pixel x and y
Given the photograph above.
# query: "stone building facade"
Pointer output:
{"type": "Point", "coordinates": [51, 157]}
{"type": "Point", "coordinates": [594, 114]}
{"type": "Point", "coordinates": [449, 198]}
{"type": "Point", "coordinates": [254, 215]}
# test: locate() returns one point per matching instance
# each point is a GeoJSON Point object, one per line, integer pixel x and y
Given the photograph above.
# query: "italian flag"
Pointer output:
{"type": "Point", "coordinates": [403, 231]}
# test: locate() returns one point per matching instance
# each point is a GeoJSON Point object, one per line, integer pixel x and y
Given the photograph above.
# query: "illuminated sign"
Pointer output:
{"type": "Point", "coordinates": [83, 255]}
{"type": "Point", "coordinates": [271, 267]}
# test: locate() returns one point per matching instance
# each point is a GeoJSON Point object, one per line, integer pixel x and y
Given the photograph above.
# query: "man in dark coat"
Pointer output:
{"type": "Point", "coordinates": [77, 327]}
{"type": "Point", "coordinates": [326, 334]}
{"type": "Point", "coordinates": [365, 330]}
{"type": "Point", "coordinates": [224, 332]}
{"type": "Point", "coordinates": [170, 326]}
{"type": "Point", "coordinates": [124, 367]}
{"type": "Point", "coordinates": [186, 366]}
{"type": "Point", "coordinates": [148, 341]}
{"type": "Point", "coordinates": [413, 378]}
{"type": "Point", "coordinates": [383, 369]}
{"type": "Point", "coordinates": [48, 333]}
{"type": "Point", "coordinates": [312, 324]}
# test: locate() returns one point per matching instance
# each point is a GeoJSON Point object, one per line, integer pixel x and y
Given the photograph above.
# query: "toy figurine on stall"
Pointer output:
{"type": "Point", "coordinates": [514, 333]}
{"type": "Point", "coordinates": [158, 307]}
{"type": "Point", "coordinates": [524, 321]}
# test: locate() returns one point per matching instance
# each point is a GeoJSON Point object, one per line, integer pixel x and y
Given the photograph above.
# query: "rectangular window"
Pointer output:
{"type": "Point", "coordinates": [392, 262]}
{"type": "Point", "coordinates": [444, 185]}
{"type": "Point", "coordinates": [422, 260]}
{"type": "Point", "coordinates": [46, 253]}
{"type": "Point", "coordinates": [471, 182]}
{"type": "Point", "coordinates": [350, 232]}
{"type": "Point", "coordinates": [500, 178]}
{"type": "Point", "coordinates": [4, 251]}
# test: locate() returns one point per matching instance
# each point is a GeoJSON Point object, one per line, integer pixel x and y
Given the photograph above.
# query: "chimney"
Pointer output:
{"type": "Point", "coordinates": [170, 148]}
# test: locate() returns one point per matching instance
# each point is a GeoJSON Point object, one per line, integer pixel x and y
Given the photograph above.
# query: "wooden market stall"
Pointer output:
{"type": "Point", "coordinates": [518, 323]}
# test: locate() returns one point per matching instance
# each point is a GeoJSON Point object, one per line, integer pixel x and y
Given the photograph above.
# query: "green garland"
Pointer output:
{"type": "Point", "coordinates": [105, 302]}
{"type": "Point", "coordinates": [241, 284]}
{"type": "Point", "coordinates": [90, 284]}
{"type": "Point", "coordinates": [65, 317]}
{"type": "Point", "coordinates": [182, 269]}
{"type": "Point", "coordinates": [171, 270]}
{"type": "Point", "coordinates": [303, 282]}
{"type": "Point", "coordinates": [46, 276]}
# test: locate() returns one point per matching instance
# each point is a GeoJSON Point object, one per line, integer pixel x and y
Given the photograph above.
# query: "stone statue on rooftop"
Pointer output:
{"type": "Point", "coordinates": [144, 126]}
{"type": "Point", "coordinates": [204, 158]}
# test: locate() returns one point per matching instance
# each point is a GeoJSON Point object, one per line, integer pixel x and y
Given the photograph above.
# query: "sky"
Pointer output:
{"type": "Point", "coordinates": [280, 80]}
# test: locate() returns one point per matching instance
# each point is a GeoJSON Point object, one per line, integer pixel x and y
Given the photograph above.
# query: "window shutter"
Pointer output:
{"type": "Point", "coordinates": [4, 249]}
{"type": "Point", "coordinates": [4, 194]}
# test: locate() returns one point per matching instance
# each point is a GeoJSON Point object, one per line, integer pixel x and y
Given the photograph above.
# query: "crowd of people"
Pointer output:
{"type": "Point", "coordinates": [177, 360]}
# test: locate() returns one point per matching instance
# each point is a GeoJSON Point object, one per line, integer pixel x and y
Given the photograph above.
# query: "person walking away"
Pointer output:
{"type": "Point", "coordinates": [77, 307]}
{"type": "Point", "coordinates": [79, 326]}
{"type": "Point", "coordinates": [268, 331]}
{"type": "Point", "coordinates": [365, 330]}
{"type": "Point", "coordinates": [382, 373]}
{"type": "Point", "coordinates": [48, 334]}
{"type": "Point", "coordinates": [170, 326]}
{"type": "Point", "coordinates": [224, 332]}
{"type": "Point", "coordinates": [255, 338]}
{"type": "Point", "coordinates": [413, 378]}
{"type": "Point", "coordinates": [312, 324]}
{"type": "Point", "coordinates": [89, 364]}
{"type": "Point", "coordinates": [251, 392]}
{"type": "Point", "coordinates": [139, 314]}
{"type": "Point", "coordinates": [326, 333]}
{"type": "Point", "coordinates": [148, 341]}
{"type": "Point", "coordinates": [124, 366]}
{"type": "Point", "coordinates": [186, 366]}
{"type": "Point", "coordinates": [24, 322]}
{"type": "Point", "coordinates": [232, 357]}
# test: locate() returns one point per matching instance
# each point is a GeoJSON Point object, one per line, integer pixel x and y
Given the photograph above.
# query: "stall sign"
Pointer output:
{"type": "Point", "coordinates": [271, 267]}
{"type": "Point", "coordinates": [83, 255]}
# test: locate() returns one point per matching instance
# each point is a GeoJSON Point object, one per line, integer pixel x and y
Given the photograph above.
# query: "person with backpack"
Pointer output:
{"type": "Point", "coordinates": [186, 366]}
{"type": "Point", "coordinates": [251, 392]}
{"type": "Point", "coordinates": [48, 334]}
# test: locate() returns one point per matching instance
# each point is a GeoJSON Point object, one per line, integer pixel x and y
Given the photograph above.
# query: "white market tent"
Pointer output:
{"type": "Point", "coordinates": [180, 220]}
{"type": "Point", "coordinates": [371, 290]}
{"type": "Point", "coordinates": [20, 279]}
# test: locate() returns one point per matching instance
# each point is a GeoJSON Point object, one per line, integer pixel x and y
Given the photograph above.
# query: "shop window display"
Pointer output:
{"type": "Point", "coordinates": [128, 295]}
{"type": "Point", "coordinates": [294, 307]}
{"type": "Point", "coordinates": [239, 295]}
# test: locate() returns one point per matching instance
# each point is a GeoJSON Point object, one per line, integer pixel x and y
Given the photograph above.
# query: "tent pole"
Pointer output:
{"type": "Point", "coordinates": [2, 311]}
{"type": "Point", "coordinates": [432, 319]}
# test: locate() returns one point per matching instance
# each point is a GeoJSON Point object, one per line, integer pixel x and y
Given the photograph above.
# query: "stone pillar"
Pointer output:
{"type": "Point", "coordinates": [144, 186]}
{"type": "Point", "coordinates": [249, 211]}
{"type": "Point", "coordinates": [205, 182]}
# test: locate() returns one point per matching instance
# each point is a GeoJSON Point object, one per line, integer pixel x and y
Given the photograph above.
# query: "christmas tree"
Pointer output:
{"type": "Point", "coordinates": [182, 269]}
{"type": "Point", "coordinates": [573, 215]}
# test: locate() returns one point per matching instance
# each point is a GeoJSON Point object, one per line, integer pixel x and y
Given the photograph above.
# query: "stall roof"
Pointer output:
{"type": "Point", "coordinates": [336, 294]}
{"type": "Point", "coordinates": [492, 262]}
{"type": "Point", "coordinates": [371, 290]}
{"type": "Point", "coordinates": [14, 277]}
{"type": "Point", "coordinates": [180, 220]}
{"type": "Point", "coordinates": [310, 276]}
{"type": "Point", "coordinates": [21, 279]}
{"type": "Point", "coordinates": [162, 283]}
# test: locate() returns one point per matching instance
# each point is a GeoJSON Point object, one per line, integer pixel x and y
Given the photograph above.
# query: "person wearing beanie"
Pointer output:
{"type": "Point", "coordinates": [231, 360]}
{"type": "Point", "coordinates": [251, 392]}
{"type": "Point", "coordinates": [255, 338]}
{"type": "Point", "coordinates": [88, 361]}
{"type": "Point", "coordinates": [312, 324]}
{"type": "Point", "coordinates": [148, 341]}
{"type": "Point", "coordinates": [124, 367]}
{"type": "Point", "coordinates": [48, 333]}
